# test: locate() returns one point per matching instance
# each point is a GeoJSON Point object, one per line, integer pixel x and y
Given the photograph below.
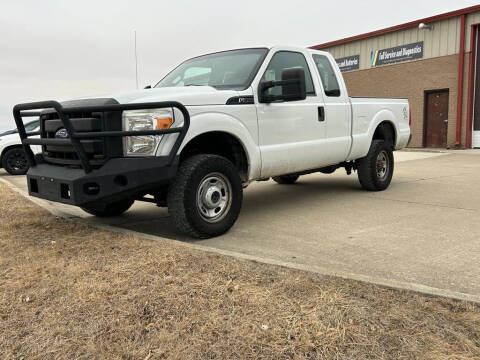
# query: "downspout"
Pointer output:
{"type": "Point", "coordinates": [461, 60]}
{"type": "Point", "coordinates": [471, 87]}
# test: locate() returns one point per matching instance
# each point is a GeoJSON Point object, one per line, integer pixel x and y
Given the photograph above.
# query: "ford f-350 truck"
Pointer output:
{"type": "Point", "coordinates": [208, 129]}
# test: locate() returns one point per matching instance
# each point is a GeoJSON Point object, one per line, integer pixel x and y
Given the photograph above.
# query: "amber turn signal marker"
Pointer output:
{"type": "Point", "coordinates": [164, 123]}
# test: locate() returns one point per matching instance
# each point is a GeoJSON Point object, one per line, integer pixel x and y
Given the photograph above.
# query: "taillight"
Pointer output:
{"type": "Point", "coordinates": [410, 118]}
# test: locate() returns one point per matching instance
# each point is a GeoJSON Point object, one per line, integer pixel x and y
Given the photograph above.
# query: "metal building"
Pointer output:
{"type": "Point", "coordinates": [430, 61]}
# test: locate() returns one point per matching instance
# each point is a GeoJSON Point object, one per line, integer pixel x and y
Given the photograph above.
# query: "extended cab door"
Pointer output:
{"type": "Point", "coordinates": [338, 109]}
{"type": "Point", "coordinates": [291, 133]}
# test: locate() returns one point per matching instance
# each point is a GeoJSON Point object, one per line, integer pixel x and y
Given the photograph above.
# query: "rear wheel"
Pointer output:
{"type": "Point", "coordinates": [375, 170]}
{"type": "Point", "coordinates": [115, 208]}
{"type": "Point", "coordinates": [15, 162]}
{"type": "Point", "coordinates": [286, 179]}
{"type": "Point", "coordinates": [205, 198]}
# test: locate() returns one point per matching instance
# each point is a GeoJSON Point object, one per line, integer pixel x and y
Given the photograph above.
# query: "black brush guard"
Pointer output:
{"type": "Point", "coordinates": [117, 178]}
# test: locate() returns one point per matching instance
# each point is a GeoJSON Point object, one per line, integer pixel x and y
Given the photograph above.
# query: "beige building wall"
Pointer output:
{"type": "Point", "coordinates": [411, 80]}
{"type": "Point", "coordinates": [444, 40]}
{"type": "Point", "coordinates": [473, 18]}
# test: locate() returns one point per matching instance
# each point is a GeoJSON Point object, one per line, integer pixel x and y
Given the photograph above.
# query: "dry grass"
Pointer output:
{"type": "Point", "coordinates": [69, 291]}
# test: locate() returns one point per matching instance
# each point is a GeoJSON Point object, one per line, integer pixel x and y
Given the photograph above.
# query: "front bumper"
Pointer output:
{"type": "Point", "coordinates": [118, 178]}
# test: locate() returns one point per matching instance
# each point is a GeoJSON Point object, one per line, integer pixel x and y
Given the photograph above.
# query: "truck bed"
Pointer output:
{"type": "Point", "coordinates": [365, 111]}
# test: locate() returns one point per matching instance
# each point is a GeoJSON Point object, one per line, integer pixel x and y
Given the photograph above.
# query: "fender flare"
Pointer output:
{"type": "Point", "coordinates": [219, 122]}
{"type": "Point", "coordinates": [381, 117]}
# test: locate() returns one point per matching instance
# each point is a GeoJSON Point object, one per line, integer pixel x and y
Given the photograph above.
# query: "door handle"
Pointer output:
{"type": "Point", "coordinates": [321, 113]}
{"type": "Point", "coordinates": [445, 121]}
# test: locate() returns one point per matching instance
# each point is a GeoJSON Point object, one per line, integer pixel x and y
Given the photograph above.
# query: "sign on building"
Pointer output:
{"type": "Point", "coordinates": [349, 63]}
{"type": "Point", "coordinates": [397, 54]}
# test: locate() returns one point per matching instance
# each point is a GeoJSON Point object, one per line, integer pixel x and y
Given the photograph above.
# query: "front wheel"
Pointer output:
{"type": "Point", "coordinates": [375, 170]}
{"type": "Point", "coordinates": [205, 198]}
{"type": "Point", "coordinates": [115, 208]}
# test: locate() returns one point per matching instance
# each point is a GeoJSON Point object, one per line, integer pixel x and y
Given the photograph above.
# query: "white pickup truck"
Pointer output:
{"type": "Point", "coordinates": [208, 129]}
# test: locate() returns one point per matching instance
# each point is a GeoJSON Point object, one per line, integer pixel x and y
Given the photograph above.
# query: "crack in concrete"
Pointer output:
{"type": "Point", "coordinates": [433, 178]}
{"type": "Point", "coordinates": [422, 203]}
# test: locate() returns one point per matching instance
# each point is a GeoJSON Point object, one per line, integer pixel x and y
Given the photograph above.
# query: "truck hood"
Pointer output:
{"type": "Point", "coordinates": [188, 96]}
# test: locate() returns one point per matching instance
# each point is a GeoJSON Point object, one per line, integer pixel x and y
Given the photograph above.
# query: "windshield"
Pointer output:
{"type": "Point", "coordinates": [233, 69]}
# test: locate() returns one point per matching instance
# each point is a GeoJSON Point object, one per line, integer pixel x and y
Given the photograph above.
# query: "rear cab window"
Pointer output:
{"type": "Point", "coordinates": [327, 75]}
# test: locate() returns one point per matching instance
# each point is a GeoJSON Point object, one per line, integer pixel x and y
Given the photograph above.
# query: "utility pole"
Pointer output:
{"type": "Point", "coordinates": [136, 59]}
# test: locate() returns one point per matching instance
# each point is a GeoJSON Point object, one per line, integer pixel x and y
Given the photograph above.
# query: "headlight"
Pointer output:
{"type": "Point", "coordinates": [136, 120]}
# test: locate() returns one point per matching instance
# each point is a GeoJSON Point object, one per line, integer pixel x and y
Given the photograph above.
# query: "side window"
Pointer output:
{"type": "Point", "coordinates": [284, 60]}
{"type": "Point", "coordinates": [327, 74]}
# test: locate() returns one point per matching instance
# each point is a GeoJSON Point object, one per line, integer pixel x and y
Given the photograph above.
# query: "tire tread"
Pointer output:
{"type": "Point", "coordinates": [175, 196]}
{"type": "Point", "coordinates": [180, 191]}
{"type": "Point", "coordinates": [366, 167]}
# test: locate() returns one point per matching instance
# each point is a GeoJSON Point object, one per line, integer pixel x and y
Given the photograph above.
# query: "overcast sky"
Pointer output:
{"type": "Point", "coordinates": [58, 50]}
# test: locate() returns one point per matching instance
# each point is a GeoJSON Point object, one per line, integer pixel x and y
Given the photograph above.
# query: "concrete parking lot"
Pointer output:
{"type": "Point", "coordinates": [423, 233]}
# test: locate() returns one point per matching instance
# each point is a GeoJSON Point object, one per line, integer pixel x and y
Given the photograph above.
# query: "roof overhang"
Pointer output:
{"type": "Point", "coordinates": [408, 25]}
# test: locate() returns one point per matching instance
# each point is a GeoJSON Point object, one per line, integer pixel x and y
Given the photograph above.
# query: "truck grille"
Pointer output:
{"type": "Point", "coordinates": [98, 150]}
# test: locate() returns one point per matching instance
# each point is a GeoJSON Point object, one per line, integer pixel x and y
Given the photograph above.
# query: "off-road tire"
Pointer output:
{"type": "Point", "coordinates": [286, 179]}
{"type": "Point", "coordinates": [367, 167]}
{"type": "Point", "coordinates": [15, 162]}
{"type": "Point", "coordinates": [183, 195]}
{"type": "Point", "coordinates": [115, 208]}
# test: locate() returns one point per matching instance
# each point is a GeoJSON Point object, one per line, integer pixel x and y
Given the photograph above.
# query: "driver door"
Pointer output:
{"type": "Point", "coordinates": [291, 133]}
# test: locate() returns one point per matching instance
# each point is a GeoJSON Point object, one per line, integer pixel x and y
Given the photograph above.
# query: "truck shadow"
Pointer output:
{"type": "Point", "coordinates": [275, 197]}
{"type": "Point", "coordinates": [263, 202]}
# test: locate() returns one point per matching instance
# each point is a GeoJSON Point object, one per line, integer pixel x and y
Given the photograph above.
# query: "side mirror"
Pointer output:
{"type": "Point", "coordinates": [292, 83]}
{"type": "Point", "coordinates": [296, 89]}
{"type": "Point", "coordinates": [148, 87]}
